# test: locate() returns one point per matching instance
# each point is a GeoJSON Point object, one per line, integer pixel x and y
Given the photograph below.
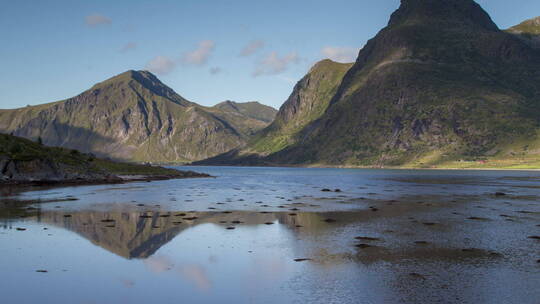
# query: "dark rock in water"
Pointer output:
{"type": "Point", "coordinates": [269, 223]}
{"type": "Point", "coordinates": [67, 215]}
{"type": "Point", "coordinates": [222, 222]}
{"type": "Point", "coordinates": [500, 194]}
{"type": "Point", "coordinates": [298, 226]}
{"type": "Point", "coordinates": [337, 190]}
{"type": "Point", "coordinates": [421, 242]}
{"type": "Point", "coordinates": [107, 221]}
{"type": "Point", "coordinates": [165, 215]}
{"type": "Point", "coordinates": [180, 214]}
{"type": "Point", "coordinates": [155, 227]}
{"type": "Point", "coordinates": [190, 218]}
{"type": "Point", "coordinates": [534, 237]}
{"type": "Point", "coordinates": [236, 222]}
{"type": "Point", "coordinates": [429, 224]}
{"type": "Point", "coordinates": [417, 275]}
{"type": "Point", "coordinates": [367, 238]}
{"type": "Point", "coordinates": [230, 228]}
{"type": "Point", "coordinates": [294, 209]}
{"type": "Point", "coordinates": [41, 270]}
{"type": "Point", "coordinates": [363, 246]}
{"type": "Point", "coordinates": [20, 229]}
{"type": "Point", "coordinates": [302, 260]}
{"type": "Point", "coordinates": [374, 209]}
{"type": "Point", "coordinates": [477, 218]}
{"type": "Point", "coordinates": [226, 212]}
{"type": "Point", "coordinates": [326, 190]}
{"type": "Point", "coordinates": [329, 220]}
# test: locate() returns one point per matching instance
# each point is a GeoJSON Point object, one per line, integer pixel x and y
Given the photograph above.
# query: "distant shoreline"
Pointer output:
{"type": "Point", "coordinates": [360, 167]}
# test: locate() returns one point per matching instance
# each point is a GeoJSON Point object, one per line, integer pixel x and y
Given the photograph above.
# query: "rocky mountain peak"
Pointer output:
{"type": "Point", "coordinates": [450, 12]}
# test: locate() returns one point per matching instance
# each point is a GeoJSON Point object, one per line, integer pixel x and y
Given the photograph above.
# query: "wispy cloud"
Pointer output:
{"type": "Point", "coordinates": [251, 48]}
{"type": "Point", "coordinates": [274, 64]}
{"type": "Point", "coordinates": [128, 47]}
{"type": "Point", "coordinates": [161, 65]}
{"type": "Point", "coordinates": [96, 20]}
{"type": "Point", "coordinates": [340, 54]}
{"type": "Point", "coordinates": [215, 70]}
{"type": "Point", "coordinates": [200, 55]}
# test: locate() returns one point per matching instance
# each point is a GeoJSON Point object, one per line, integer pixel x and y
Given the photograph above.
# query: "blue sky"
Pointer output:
{"type": "Point", "coordinates": [207, 51]}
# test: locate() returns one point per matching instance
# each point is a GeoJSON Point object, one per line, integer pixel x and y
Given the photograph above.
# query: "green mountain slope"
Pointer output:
{"type": "Point", "coordinates": [135, 117]}
{"type": "Point", "coordinates": [441, 85]}
{"type": "Point", "coordinates": [250, 109]}
{"type": "Point", "coordinates": [309, 100]}
{"type": "Point", "coordinates": [528, 30]}
{"type": "Point", "coordinates": [23, 161]}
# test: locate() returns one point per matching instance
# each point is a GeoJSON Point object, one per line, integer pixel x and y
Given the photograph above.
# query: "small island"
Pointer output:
{"type": "Point", "coordinates": [24, 162]}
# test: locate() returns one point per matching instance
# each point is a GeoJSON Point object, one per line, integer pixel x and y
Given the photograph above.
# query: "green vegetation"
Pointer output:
{"type": "Point", "coordinates": [33, 159]}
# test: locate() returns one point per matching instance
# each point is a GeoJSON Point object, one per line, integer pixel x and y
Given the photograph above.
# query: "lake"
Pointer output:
{"type": "Point", "coordinates": [277, 235]}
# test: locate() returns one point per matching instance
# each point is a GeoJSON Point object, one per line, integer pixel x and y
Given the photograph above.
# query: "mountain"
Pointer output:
{"type": "Point", "coordinates": [250, 109]}
{"type": "Point", "coordinates": [25, 162]}
{"type": "Point", "coordinates": [247, 117]}
{"type": "Point", "coordinates": [309, 100]}
{"type": "Point", "coordinates": [440, 85]}
{"type": "Point", "coordinates": [134, 116]}
{"type": "Point", "coordinates": [528, 30]}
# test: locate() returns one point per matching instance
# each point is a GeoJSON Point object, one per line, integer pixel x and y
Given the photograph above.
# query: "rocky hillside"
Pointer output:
{"type": "Point", "coordinates": [23, 161]}
{"type": "Point", "coordinates": [440, 85]}
{"type": "Point", "coordinates": [248, 117]}
{"type": "Point", "coordinates": [252, 109]}
{"type": "Point", "coordinates": [133, 116]}
{"type": "Point", "coordinates": [309, 100]}
{"type": "Point", "coordinates": [528, 30]}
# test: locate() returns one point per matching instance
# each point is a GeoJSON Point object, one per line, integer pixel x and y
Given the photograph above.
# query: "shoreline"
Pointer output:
{"type": "Point", "coordinates": [120, 179]}
{"type": "Point", "coordinates": [360, 167]}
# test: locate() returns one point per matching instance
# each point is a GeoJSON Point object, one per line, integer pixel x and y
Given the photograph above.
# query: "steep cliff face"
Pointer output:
{"type": "Point", "coordinates": [308, 101]}
{"type": "Point", "coordinates": [440, 78]}
{"type": "Point", "coordinates": [440, 83]}
{"type": "Point", "coordinates": [132, 116]}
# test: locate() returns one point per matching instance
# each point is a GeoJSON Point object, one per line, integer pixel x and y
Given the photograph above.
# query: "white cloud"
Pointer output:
{"type": "Point", "coordinates": [340, 54]}
{"type": "Point", "coordinates": [97, 20]}
{"type": "Point", "coordinates": [200, 55]}
{"type": "Point", "coordinates": [161, 65]}
{"type": "Point", "coordinates": [252, 47]}
{"type": "Point", "coordinates": [215, 70]}
{"type": "Point", "coordinates": [128, 47]}
{"type": "Point", "coordinates": [274, 64]}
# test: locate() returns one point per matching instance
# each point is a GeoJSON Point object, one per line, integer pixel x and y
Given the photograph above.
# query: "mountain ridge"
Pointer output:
{"type": "Point", "coordinates": [132, 116]}
{"type": "Point", "coordinates": [441, 84]}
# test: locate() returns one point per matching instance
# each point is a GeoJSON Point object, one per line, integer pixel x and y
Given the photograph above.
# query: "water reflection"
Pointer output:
{"type": "Point", "coordinates": [419, 243]}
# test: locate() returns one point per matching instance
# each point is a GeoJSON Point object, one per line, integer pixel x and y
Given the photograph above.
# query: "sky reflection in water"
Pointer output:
{"type": "Point", "coordinates": [438, 236]}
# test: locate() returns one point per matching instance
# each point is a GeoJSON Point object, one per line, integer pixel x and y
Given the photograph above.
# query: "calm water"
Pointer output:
{"type": "Point", "coordinates": [270, 235]}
